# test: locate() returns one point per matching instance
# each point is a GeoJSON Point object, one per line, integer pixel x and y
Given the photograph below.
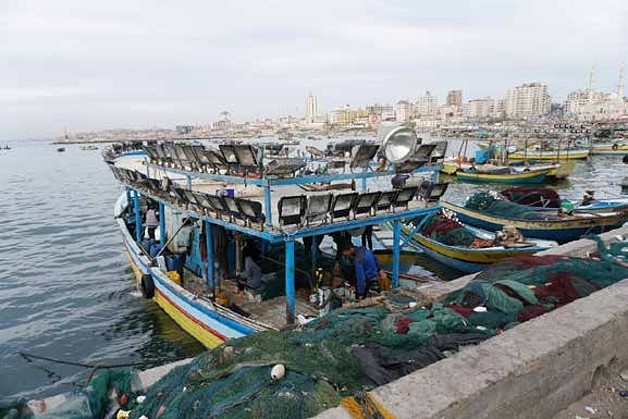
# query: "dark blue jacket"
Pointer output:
{"type": "Point", "coordinates": [366, 268]}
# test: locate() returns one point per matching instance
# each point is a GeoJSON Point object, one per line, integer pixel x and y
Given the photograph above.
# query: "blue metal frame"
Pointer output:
{"type": "Point", "coordinates": [275, 236]}
{"type": "Point", "coordinates": [396, 252]}
{"type": "Point", "coordinates": [162, 224]}
{"type": "Point", "coordinates": [138, 216]}
{"type": "Point", "coordinates": [209, 244]}
{"type": "Point", "coordinates": [290, 291]}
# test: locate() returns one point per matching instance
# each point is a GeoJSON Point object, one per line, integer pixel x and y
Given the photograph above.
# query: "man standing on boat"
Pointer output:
{"type": "Point", "coordinates": [367, 270]}
{"type": "Point", "coordinates": [151, 222]}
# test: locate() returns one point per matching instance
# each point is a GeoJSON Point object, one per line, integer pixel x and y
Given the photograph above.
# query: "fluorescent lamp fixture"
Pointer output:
{"type": "Point", "coordinates": [215, 159]}
{"type": "Point", "coordinates": [177, 193]}
{"type": "Point", "coordinates": [228, 153]}
{"type": "Point", "coordinates": [364, 155]}
{"type": "Point", "coordinates": [251, 210]}
{"type": "Point", "coordinates": [365, 202]}
{"type": "Point", "coordinates": [317, 208]}
{"type": "Point", "coordinates": [291, 209]}
{"type": "Point", "coordinates": [232, 206]}
{"type": "Point", "coordinates": [284, 167]}
{"type": "Point", "coordinates": [404, 196]}
{"type": "Point", "coordinates": [190, 156]}
{"type": "Point", "coordinates": [436, 191]}
{"type": "Point", "coordinates": [190, 197]}
{"type": "Point", "coordinates": [386, 199]}
{"type": "Point", "coordinates": [246, 155]}
{"type": "Point", "coordinates": [153, 185]}
{"type": "Point", "coordinates": [217, 203]}
{"type": "Point", "coordinates": [343, 204]}
{"type": "Point", "coordinates": [151, 152]}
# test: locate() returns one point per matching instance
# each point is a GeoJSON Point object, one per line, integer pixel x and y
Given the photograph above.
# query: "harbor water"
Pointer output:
{"type": "Point", "coordinates": [66, 288]}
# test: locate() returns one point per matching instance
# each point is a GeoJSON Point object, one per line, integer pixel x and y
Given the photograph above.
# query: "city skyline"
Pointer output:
{"type": "Point", "coordinates": [107, 65]}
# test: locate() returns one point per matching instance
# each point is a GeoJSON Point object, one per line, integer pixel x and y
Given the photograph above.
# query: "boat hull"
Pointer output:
{"type": "Point", "coordinates": [562, 231]}
{"type": "Point", "coordinates": [510, 178]}
{"type": "Point", "coordinates": [465, 259]}
{"type": "Point", "coordinates": [575, 154]}
{"type": "Point", "coordinates": [198, 317]}
{"type": "Point", "coordinates": [609, 149]}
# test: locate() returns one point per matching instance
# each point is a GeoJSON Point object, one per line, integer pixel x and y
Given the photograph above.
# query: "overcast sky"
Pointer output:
{"type": "Point", "coordinates": [89, 65]}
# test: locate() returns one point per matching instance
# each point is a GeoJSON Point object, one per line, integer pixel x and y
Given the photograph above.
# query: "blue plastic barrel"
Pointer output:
{"type": "Point", "coordinates": [481, 156]}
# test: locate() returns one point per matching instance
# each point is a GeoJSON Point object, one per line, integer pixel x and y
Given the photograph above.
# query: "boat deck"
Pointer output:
{"type": "Point", "coordinates": [270, 312]}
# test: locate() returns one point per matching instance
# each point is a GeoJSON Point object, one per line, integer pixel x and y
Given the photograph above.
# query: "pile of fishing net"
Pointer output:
{"type": "Point", "coordinates": [331, 359]}
{"type": "Point", "coordinates": [488, 204]}
{"type": "Point", "coordinates": [531, 196]}
{"type": "Point", "coordinates": [447, 230]}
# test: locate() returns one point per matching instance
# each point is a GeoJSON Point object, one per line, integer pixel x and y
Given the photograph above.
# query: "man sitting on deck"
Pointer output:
{"type": "Point", "coordinates": [367, 270]}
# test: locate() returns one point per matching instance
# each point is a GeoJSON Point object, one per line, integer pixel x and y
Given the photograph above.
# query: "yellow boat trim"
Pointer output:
{"type": "Point", "coordinates": [535, 155]}
{"type": "Point", "coordinates": [201, 334]}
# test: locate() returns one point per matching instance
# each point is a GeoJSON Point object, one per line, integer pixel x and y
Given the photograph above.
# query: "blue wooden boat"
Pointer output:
{"type": "Point", "coordinates": [543, 199]}
{"type": "Point", "coordinates": [465, 258]}
{"type": "Point", "coordinates": [563, 229]}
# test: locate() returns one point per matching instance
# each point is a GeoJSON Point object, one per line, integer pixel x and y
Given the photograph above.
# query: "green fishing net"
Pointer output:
{"type": "Point", "coordinates": [488, 204]}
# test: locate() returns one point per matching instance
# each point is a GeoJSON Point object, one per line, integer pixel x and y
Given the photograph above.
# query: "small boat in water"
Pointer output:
{"type": "Point", "coordinates": [484, 211]}
{"type": "Point", "coordinates": [609, 149]}
{"type": "Point", "coordinates": [61, 149]}
{"type": "Point", "coordinates": [88, 147]}
{"type": "Point", "coordinates": [548, 199]}
{"type": "Point", "coordinates": [554, 155]}
{"type": "Point", "coordinates": [445, 239]}
{"type": "Point", "coordinates": [506, 175]}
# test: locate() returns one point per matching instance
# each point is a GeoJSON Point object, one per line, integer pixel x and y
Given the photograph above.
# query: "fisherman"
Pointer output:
{"type": "Point", "coordinates": [587, 198]}
{"type": "Point", "coordinates": [367, 270]}
{"type": "Point", "coordinates": [251, 277]}
{"type": "Point", "coordinates": [367, 237]}
{"type": "Point", "coordinates": [151, 221]}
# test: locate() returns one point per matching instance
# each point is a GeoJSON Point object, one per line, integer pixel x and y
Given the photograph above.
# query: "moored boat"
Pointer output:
{"type": "Point", "coordinates": [481, 211]}
{"type": "Point", "coordinates": [214, 204]}
{"type": "Point", "coordinates": [554, 155]}
{"type": "Point", "coordinates": [506, 175]}
{"type": "Point", "coordinates": [614, 148]}
{"type": "Point", "coordinates": [467, 249]}
{"type": "Point", "coordinates": [548, 199]}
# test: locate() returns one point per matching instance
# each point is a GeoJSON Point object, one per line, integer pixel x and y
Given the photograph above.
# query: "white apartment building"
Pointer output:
{"type": "Point", "coordinates": [427, 106]}
{"type": "Point", "coordinates": [311, 109]}
{"type": "Point", "coordinates": [528, 100]}
{"type": "Point", "coordinates": [404, 111]}
{"type": "Point", "coordinates": [589, 105]}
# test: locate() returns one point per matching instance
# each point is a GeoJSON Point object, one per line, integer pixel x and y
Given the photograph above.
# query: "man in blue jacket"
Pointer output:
{"type": "Point", "coordinates": [367, 270]}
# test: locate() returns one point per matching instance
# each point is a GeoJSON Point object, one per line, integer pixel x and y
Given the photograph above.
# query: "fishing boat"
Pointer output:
{"type": "Point", "coordinates": [548, 225]}
{"type": "Point", "coordinates": [88, 147]}
{"type": "Point", "coordinates": [215, 203]}
{"type": "Point", "coordinates": [442, 237]}
{"type": "Point", "coordinates": [554, 155]}
{"type": "Point", "coordinates": [609, 149]}
{"type": "Point", "coordinates": [507, 175]}
{"type": "Point", "coordinates": [60, 149]}
{"type": "Point", "coordinates": [544, 199]}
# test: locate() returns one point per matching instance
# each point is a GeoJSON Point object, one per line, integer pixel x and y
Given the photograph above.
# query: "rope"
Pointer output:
{"type": "Point", "coordinates": [30, 357]}
{"type": "Point", "coordinates": [364, 406]}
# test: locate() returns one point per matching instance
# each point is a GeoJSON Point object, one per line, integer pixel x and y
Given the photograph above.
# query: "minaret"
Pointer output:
{"type": "Point", "coordinates": [592, 80]}
{"type": "Point", "coordinates": [620, 86]}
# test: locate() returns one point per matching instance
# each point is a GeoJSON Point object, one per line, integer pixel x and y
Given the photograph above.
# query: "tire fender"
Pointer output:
{"type": "Point", "coordinates": [148, 286]}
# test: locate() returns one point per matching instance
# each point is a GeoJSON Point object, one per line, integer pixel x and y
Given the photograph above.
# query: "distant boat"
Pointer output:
{"type": "Point", "coordinates": [609, 149]}
{"type": "Point", "coordinates": [6, 147]}
{"type": "Point", "coordinates": [88, 147]}
{"type": "Point", "coordinates": [560, 155]}
{"type": "Point", "coordinates": [61, 149]}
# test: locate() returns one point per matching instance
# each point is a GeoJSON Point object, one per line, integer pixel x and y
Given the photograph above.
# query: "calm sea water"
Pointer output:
{"type": "Point", "coordinates": [66, 288]}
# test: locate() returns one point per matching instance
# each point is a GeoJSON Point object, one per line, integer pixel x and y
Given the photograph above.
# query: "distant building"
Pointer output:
{"type": "Point", "coordinates": [404, 111]}
{"type": "Point", "coordinates": [388, 113]}
{"type": "Point", "coordinates": [427, 106]}
{"type": "Point", "coordinates": [590, 105]}
{"type": "Point", "coordinates": [454, 98]}
{"type": "Point", "coordinates": [528, 100]}
{"type": "Point", "coordinates": [311, 109]}
{"type": "Point", "coordinates": [478, 109]}
{"type": "Point", "coordinates": [184, 129]}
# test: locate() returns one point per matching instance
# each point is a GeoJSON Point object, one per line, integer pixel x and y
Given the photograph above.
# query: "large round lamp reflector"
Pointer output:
{"type": "Point", "coordinates": [399, 143]}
